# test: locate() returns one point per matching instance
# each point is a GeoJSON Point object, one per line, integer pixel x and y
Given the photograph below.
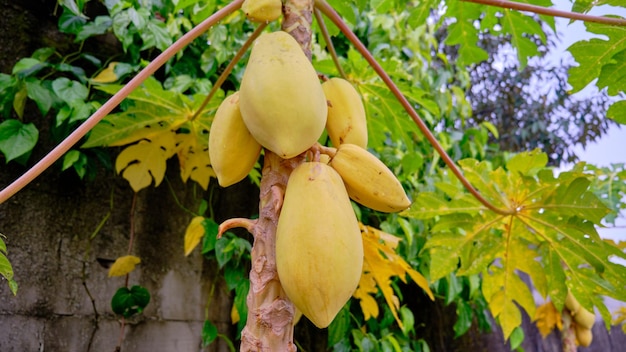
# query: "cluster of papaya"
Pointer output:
{"type": "Point", "coordinates": [283, 107]}
{"type": "Point", "coordinates": [583, 320]}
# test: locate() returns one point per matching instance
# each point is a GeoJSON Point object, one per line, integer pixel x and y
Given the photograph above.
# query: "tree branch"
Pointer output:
{"type": "Point", "coordinates": [329, 12]}
{"type": "Point", "coordinates": [114, 101]}
{"type": "Point", "coordinates": [551, 12]}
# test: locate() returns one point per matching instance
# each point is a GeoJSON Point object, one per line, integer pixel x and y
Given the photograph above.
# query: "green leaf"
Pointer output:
{"type": "Point", "coordinates": [210, 237]}
{"type": "Point", "coordinates": [617, 112]}
{"type": "Point", "coordinates": [19, 101]}
{"type": "Point", "coordinates": [27, 66]}
{"type": "Point", "coordinates": [613, 74]}
{"type": "Point", "coordinates": [99, 26]}
{"type": "Point", "coordinates": [37, 91]}
{"type": "Point", "coordinates": [528, 164]}
{"type": "Point", "coordinates": [592, 55]}
{"type": "Point", "coordinates": [69, 91]}
{"type": "Point", "coordinates": [6, 270]}
{"type": "Point", "coordinates": [340, 326]}
{"type": "Point", "coordinates": [464, 315]}
{"type": "Point", "coordinates": [209, 333]}
{"type": "Point", "coordinates": [17, 139]}
{"type": "Point", "coordinates": [463, 32]}
{"type": "Point", "coordinates": [520, 26]}
{"type": "Point", "coordinates": [128, 302]}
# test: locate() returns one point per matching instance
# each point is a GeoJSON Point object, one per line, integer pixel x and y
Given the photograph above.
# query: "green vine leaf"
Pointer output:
{"type": "Point", "coordinates": [128, 302]}
{"type": "Point", "coordinates": [17, 139]}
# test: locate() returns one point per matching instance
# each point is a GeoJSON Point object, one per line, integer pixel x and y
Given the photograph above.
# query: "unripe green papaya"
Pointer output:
{"type": "Point", "coordinates": [232, 149]}
{"type": "Point", "coordinates": [346, 122]}
{"type": "Point", "coordinates": [282, 101]}
{"type": "Point", "coordinates": [319, 249]}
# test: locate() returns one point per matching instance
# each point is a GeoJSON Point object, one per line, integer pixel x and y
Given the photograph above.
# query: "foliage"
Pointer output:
{"type": "Point", "coordinates": [547, 319]}
{"type": "Point", "coordinates": [123, 265]}
{"type": "Point", "coordinates": [6, 269]}
{"type": "Point", "coordinates": [468, 254]}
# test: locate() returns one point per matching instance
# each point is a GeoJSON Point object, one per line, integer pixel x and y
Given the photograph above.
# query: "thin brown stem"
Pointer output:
{"type": "Point", "coordinates": [328, 11]}
{"type": "Point", "coordinates": [114, 101]}
{"type": "Point", "coordinates": [220, 80]}
{"type": "Point", "coordinates": [329, 42]}
{"type": "Point", "coordinates": [551, 12]}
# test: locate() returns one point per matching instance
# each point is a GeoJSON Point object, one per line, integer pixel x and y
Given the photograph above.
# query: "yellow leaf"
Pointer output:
{"type": "Point", "coordinates": [124, 265]}
{"type": "Point", "coordinates": [195, 164]}
{"type": "Point", "coordinates": [234, 315]}
{"type": "Point", "coordinates": [194, 233]}
{"type": "Point", "coordinates": [145, 161]}
{"type": "Point", "coordinates": [547, 318]}
{"type": "Point", "coordinates": [107, 75]}
{"type": "Point", "coordinates": [381, 263]}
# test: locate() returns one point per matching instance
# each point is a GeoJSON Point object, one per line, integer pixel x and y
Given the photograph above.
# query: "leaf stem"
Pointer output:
{"type": "Point", "coordinates": [220, 80]}
{"type": "Point", "coordinates": [329, 42]}
{"type": "Point", "coordinates": [329, 12]}
{"type": "Point", "coordinates": [551, 12]}
{"type": "Point", "coordinates": [114, 101]}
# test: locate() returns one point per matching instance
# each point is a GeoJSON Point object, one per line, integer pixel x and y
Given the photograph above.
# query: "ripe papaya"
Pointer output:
{"type": "Point", "coordinates": [346, 122]}
{"type": "Point", "coordinates": [282, 101]}
{"type": "Point", "coordinates": [319, 249]}
{"type": "Point", "coordinates": [232, 149]}
{"type": "Point", "coordinates": [585, 318]}
{"type": "Point", "coordinates": [368, 181]}
{"type": "Point", "coordinates": [262, 10]}
{"type": "Point", "coordinates": [584, 335]}
{"type": "Point", "coordinates": [571, 303]}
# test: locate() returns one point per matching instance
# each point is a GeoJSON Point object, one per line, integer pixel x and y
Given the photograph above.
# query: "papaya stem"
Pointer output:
{"type": "Point", "coordinates": [247, 224]}
{"type": "Point", "coordinates": [329, 43]}
{"type": "Point", "coordinates": [114, 101]}
{"type": "Point", "coordinates": [329, 12]}
{"type": "Point", "coordinates": [551, 12]}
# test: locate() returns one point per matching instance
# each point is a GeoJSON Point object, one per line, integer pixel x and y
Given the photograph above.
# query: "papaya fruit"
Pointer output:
{"type": "Point", "coordinates": [232, 149]}
{"type": "Point", "coordinates": [319, 249]}
{"type": "Point", "coordinates": [262, 10]}
{"type": "Point", "coordinates": [282, 101]}
{"type": "Point", "coordinates": [584, 336]}
{"type": "Point", "coordinates": [346, 121]}
{"type": "Point", "coordinates": [585, 318]}
{"type": "Point", "coordinates": [369, 181]}
{"type": "Point", "coordinates": [571, 303]}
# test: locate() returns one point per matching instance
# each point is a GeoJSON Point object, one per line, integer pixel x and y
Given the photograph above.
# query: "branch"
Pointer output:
{"type": "Point", "coordinates": [329, 12]}
{"type": "Point", "coordinates": [551, 12]}
{"type": "Point", "coordinates": [114, 101]}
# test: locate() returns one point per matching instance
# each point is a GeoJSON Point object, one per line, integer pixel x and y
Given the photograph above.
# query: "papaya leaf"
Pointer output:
{"type": "Point", "coordinates": [123, 265]}
{"type": "Point", "coordinates": [548, 235]}
{"type": "Point", "coordinates": [547, 318]}
{"type": "Point", "coordinates": [464, 33]}
{"type": "Point", "coordinates": [594, 54]}
{"type": "Point", "coordinates": [140, 163]}
{"type": "Point", "coordinates": [162, 123]}
{"type": "Point", "coordinates": [381, 263]}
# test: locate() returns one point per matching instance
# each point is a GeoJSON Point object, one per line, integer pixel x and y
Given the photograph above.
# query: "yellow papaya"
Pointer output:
{"type": "Point", "coordinates": [368, 181]}
{"type": "Point", "coordinates": [232, 149]}
{"type": "Point", "coordinates": [585, 318]}
{"type": "Point", "coordinates": [262, 10]}
{"type": "Point", "coordinates": [571, 303]}
{"type": "Point", "coordinates": [583, 335]}
{"type": "Point", "coordinates": [319, 249]}
{"type": "Point", "coordinates": [346, 121]}
{"type": "Point", "coordinates": [282, 101]}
